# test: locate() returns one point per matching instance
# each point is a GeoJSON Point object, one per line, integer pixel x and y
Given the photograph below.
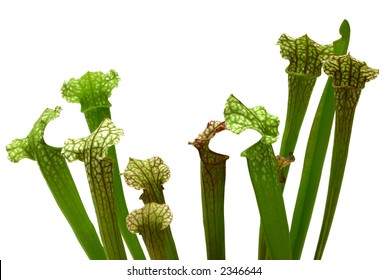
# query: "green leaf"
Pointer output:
{"type": "Point", "coordinates": [95, 145]}
{"type": "Point", "coordinates": [264, 176]}
{"type": "Point", "coordinates": [93, 151]}
{"type": "Point", "coordinates": [151, 222]}
{"type": "Point", "coordinates": [305, 61]}
{"type": "Point", "coordinates": [315, 155]}
{"type": "Point", "coordinates": [31, 146]}
{"type": "Point", "coordinates": [149, 175]}
{"type": "Point", "coordinates": [152, 217]}
{"type": "Point", "coordinates": [349, 78]}
{"type": "Point", "coordinates": [305, 55]}
{"type": "Point", "coordinates": [92, 91]}
{"type": "Point", "coordinates": [263, 172]}
{"type": "Point", "coordinates": [239, 118]}
{"type": "Point", "coordinates": [213, 178]}
{"type": "Point", "coordinates": [348, 72]}
{"type": "Point", "coordinates": [59, 180]}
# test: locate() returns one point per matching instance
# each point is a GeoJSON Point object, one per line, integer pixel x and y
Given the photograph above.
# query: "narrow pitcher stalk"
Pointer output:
{"type": "Point", "coordinates": [305, 61]}
{"type": "Point", "coordinates": [315, 155]}
{"type": "Point", "coordinates": [93, 151]}
{"type": "Point", "coordinates": [92, 92]}
{"type": "Point", "coordinates": [55, 171]}
{"type": "Point", "coordinates": [349, 78]}
{"type": "Point", "coordinates": [264, 175]}
{"type": "Point", "coordinates": [212, 179]}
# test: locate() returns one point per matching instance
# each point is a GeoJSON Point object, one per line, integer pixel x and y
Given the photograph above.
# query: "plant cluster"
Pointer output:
{"type": "Point", "coordinates": [118, 227]}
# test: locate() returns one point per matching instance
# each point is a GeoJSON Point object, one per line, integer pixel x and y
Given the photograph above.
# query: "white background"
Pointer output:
{"type": "Point", "coordinates": [178, 62]}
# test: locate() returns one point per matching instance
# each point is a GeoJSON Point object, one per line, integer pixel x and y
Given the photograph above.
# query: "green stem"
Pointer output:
{"type": "Point", "coordinates": [343, 129]}
{"type": "Point", "coordinates": [131, 240]}
{"type": "Point", "coordinates": [263, 171]}
{"type": "Point", "coordinates": [103, 199]}
{"type": "Point", "coordinates": [305, 57]}
{"type": "Point", "coordinates": [122, 212]}
{"type": "Point", "coordinates": [92, 91]}
{"type": "Point", "coordinates": [212, 179]}
{"type": "Point", "coordinates": [350, 76]}
{"type": "Point", "coordinates": [311, 174]}
{"type": "Point", "coordinates": [149, 175]}
{"type": "Point", "coordinates": [55, 171]}
{"type": "Point", "coordinates": [300, 90]}
{"type": "Point", "coordinates": [93, 150]}
{"type": "Point", "coordinates": [315, 155]}
{"type": "Point", "coordinates": [262, 250]}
